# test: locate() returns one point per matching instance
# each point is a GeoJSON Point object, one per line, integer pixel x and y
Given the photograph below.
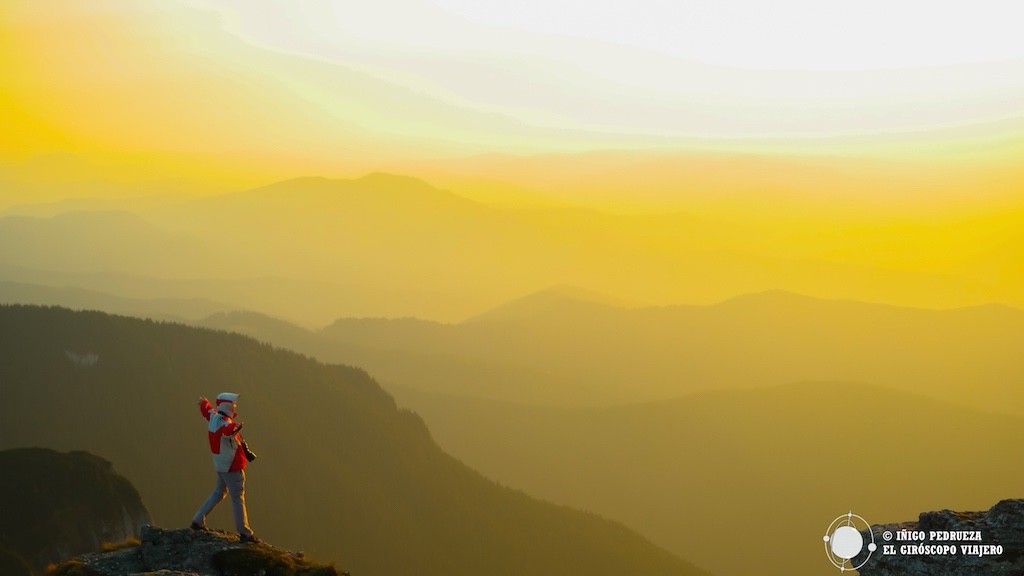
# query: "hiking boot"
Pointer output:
{"type": "Point", "coordinates": [250, 539]}
{"type": "Point", "coordinates": [199, 527]}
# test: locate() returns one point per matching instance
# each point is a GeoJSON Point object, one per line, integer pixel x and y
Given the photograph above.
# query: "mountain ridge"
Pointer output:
{"type": "Point", "coordinates": [372, 477]}
{"type": "Point", "coordinates": [667, 351]}
{"type": "Point", "coordinates": [778, 295]}
{"type": "Point", "coordinates": [87, 241]}
{"type": "Point", "coordinates": [172, 309]}
{"type": "Point", "coordinates": [672, 467]}
{"type": "Point", "coordinates": [539, 303]}
{"type": "Point", "coordinates": [303, 189]}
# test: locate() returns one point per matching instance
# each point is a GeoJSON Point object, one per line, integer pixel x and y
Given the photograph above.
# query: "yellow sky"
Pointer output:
{"type": "Point", "coordinates": [209, 88]}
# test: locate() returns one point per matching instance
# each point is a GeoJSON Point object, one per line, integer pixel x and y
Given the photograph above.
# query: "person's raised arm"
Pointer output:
{"type": "Point", "coordinates": [205, 408]}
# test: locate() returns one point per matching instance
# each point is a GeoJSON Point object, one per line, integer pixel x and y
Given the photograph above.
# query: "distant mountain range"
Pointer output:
{"type": "Point", "coordinates": [553, 348]}
{"type": "Point", "coordinates": [749, 445]}
{"type": "Point", "coordinates": [742, 481]}
{"type": "Point", "coordinates": [341, 470]}
{"type": "Point", "coordinates": [314, 249]}
{"type": "Point", "coordinates": [307, 302]}
{"type": "Point", "coordinates": [746, 444]}
{"type": "Point", "coordinates": [383, 230]}
{"type": "Point", "coordinates": [182, 310]}
{"type": "Point", "coordinates": [375, 253]}
{"type": "Point", "coordinates": [602, 354]}
{"type": "Point", "coordinates": [102, 241]}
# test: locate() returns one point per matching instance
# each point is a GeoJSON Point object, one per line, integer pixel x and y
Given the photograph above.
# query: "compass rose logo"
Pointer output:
{"type": "Point", "coordinates": [844, 541]}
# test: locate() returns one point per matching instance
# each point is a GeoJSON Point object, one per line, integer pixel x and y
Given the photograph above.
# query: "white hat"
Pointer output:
{"type": "Point", "coordinates": [227, 397]}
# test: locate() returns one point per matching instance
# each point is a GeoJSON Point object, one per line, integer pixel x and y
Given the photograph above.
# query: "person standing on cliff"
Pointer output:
{"type": "Point", "coordinates": [229, 458]}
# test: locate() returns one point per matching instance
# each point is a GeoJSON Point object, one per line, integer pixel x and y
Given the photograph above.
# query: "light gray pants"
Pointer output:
{"type": "Point", "coordinates": [233, 483]}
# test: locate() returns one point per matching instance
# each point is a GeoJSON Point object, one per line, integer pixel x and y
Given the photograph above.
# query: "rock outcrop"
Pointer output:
{"type": "Point", "coordinates": [55, 505]}
{"type": "Point", "coordinates": [948, 543]}
{"type": "Point", "coordinates": [187, 553]}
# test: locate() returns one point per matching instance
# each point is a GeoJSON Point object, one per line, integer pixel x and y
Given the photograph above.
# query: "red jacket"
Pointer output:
{"type": "Point", "coordinates": [225, 442]}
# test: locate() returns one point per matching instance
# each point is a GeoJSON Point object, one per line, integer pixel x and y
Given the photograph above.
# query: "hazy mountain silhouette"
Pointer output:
{"type": "Point", "coordinates": [81, 299]}
{"type": "Point", "coordinates": [430, 371]}
{"type": "Point", "coordinates": [371, 205]}
{"type": "Point", "coordinates": [309, 302]}
{"type": "Point", "coordinates": [556, 300]}
{"type": "Point", "coordinates": [550, 349]}
{"type": "Point", "coordinates": [399, 246]}
{"type": "Point", "coordinates": [608, 354]}
{"type": "Point", "coordinates": [98, 241]}
{"type": "Point", "coordinates": [278, 332]}
{"type": "Point", "coordinates": [56, 505]}
{"type": "Point", "coordinates": [714, 474]}
{"type": "Point", "coordinates": [342, 471]}
{"type": "Point", "coordinates": [382, 229]}
{"type": "Point", "coordinates": [89, 197]}
{"type": "Point", "coordinates": [306, 193]}
{"type": "Point", "coordinates": [388, 231]}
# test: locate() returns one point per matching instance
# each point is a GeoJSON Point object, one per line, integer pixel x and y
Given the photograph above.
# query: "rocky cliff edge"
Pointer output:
{"type": "Point", "coordinates": [187, 553]}
{"type": "Point", "coordinates": [949, 543]}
